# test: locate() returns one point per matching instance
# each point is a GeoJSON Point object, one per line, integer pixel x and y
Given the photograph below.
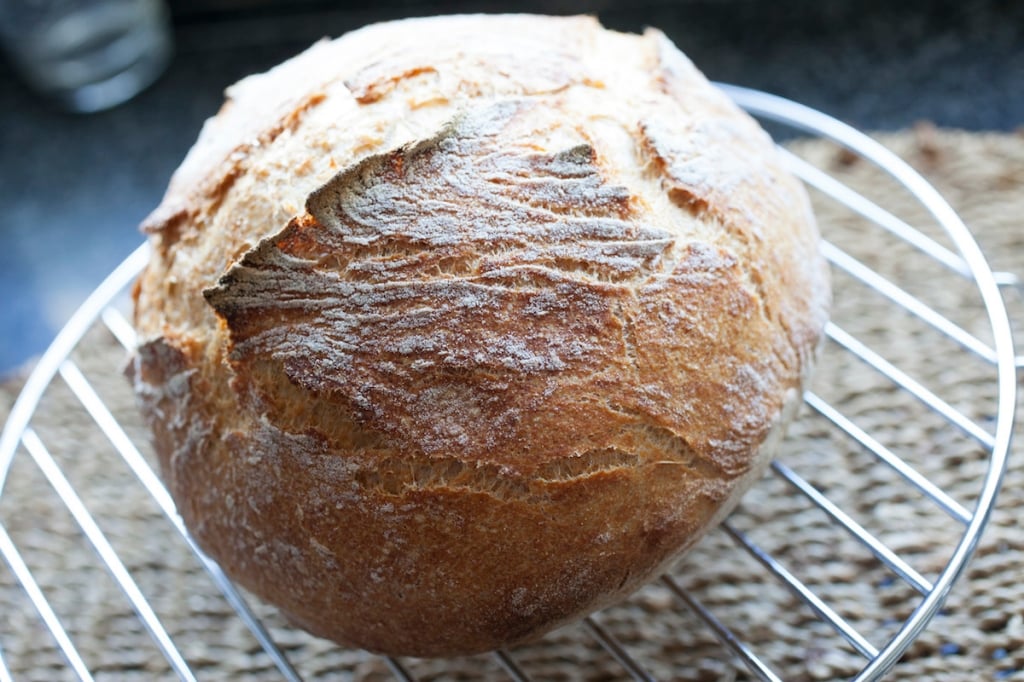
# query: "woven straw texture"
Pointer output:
{"type": "Point", "coordinates": [979, 634]}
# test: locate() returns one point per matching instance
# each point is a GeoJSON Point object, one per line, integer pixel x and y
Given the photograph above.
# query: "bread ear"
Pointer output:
{"type": "Point", "coordinates": [468, 269]}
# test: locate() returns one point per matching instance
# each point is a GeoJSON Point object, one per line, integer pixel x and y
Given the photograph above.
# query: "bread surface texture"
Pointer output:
{"type": "Point", "coordinates": [459, 328]}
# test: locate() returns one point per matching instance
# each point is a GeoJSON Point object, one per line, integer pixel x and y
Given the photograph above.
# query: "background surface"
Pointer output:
{"type": "Point", "coordinates": [74, 188]}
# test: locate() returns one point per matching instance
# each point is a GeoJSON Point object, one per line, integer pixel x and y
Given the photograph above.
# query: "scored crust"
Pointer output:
{"type": "Point", "coordinates": [459, 328]}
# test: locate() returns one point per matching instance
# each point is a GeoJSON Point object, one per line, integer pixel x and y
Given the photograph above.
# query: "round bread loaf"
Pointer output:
{"type": "Point", "coordinates": [457, 329]}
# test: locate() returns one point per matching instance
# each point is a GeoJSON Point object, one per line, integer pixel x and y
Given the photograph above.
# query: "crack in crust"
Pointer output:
{"type": "Point", "coordinates": [456, 256]}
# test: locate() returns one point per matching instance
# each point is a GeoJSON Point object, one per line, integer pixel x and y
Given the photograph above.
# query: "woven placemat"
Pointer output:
{"type": "Point", "coordinates": [978, 635]}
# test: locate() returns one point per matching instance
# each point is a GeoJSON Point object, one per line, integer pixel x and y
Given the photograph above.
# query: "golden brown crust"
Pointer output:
{"type": "Point", "coordinates": [451, 346]}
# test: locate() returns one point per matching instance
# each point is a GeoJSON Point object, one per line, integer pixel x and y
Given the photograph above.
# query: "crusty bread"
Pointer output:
{"type": "Point", "coordinates": [457, 329]}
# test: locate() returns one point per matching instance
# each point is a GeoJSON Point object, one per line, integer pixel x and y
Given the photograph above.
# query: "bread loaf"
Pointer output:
{"type": "Point", "coordinates": [457, 329]}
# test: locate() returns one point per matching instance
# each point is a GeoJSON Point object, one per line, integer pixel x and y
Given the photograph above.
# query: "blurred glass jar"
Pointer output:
{"type": "Point", "coordinates": [87, 55]}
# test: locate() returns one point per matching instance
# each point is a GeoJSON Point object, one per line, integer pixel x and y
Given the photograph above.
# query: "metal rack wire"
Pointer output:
{"type": "Point", "coordinates": [967, 263]}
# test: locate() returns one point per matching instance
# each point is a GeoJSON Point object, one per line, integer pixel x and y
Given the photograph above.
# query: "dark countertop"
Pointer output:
{"type": "Point", "coordinates": [76, 187]}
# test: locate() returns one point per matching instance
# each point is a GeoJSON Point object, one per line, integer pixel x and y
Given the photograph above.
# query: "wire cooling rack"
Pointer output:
{"type": "Point", "coordinates": [964, 262]}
